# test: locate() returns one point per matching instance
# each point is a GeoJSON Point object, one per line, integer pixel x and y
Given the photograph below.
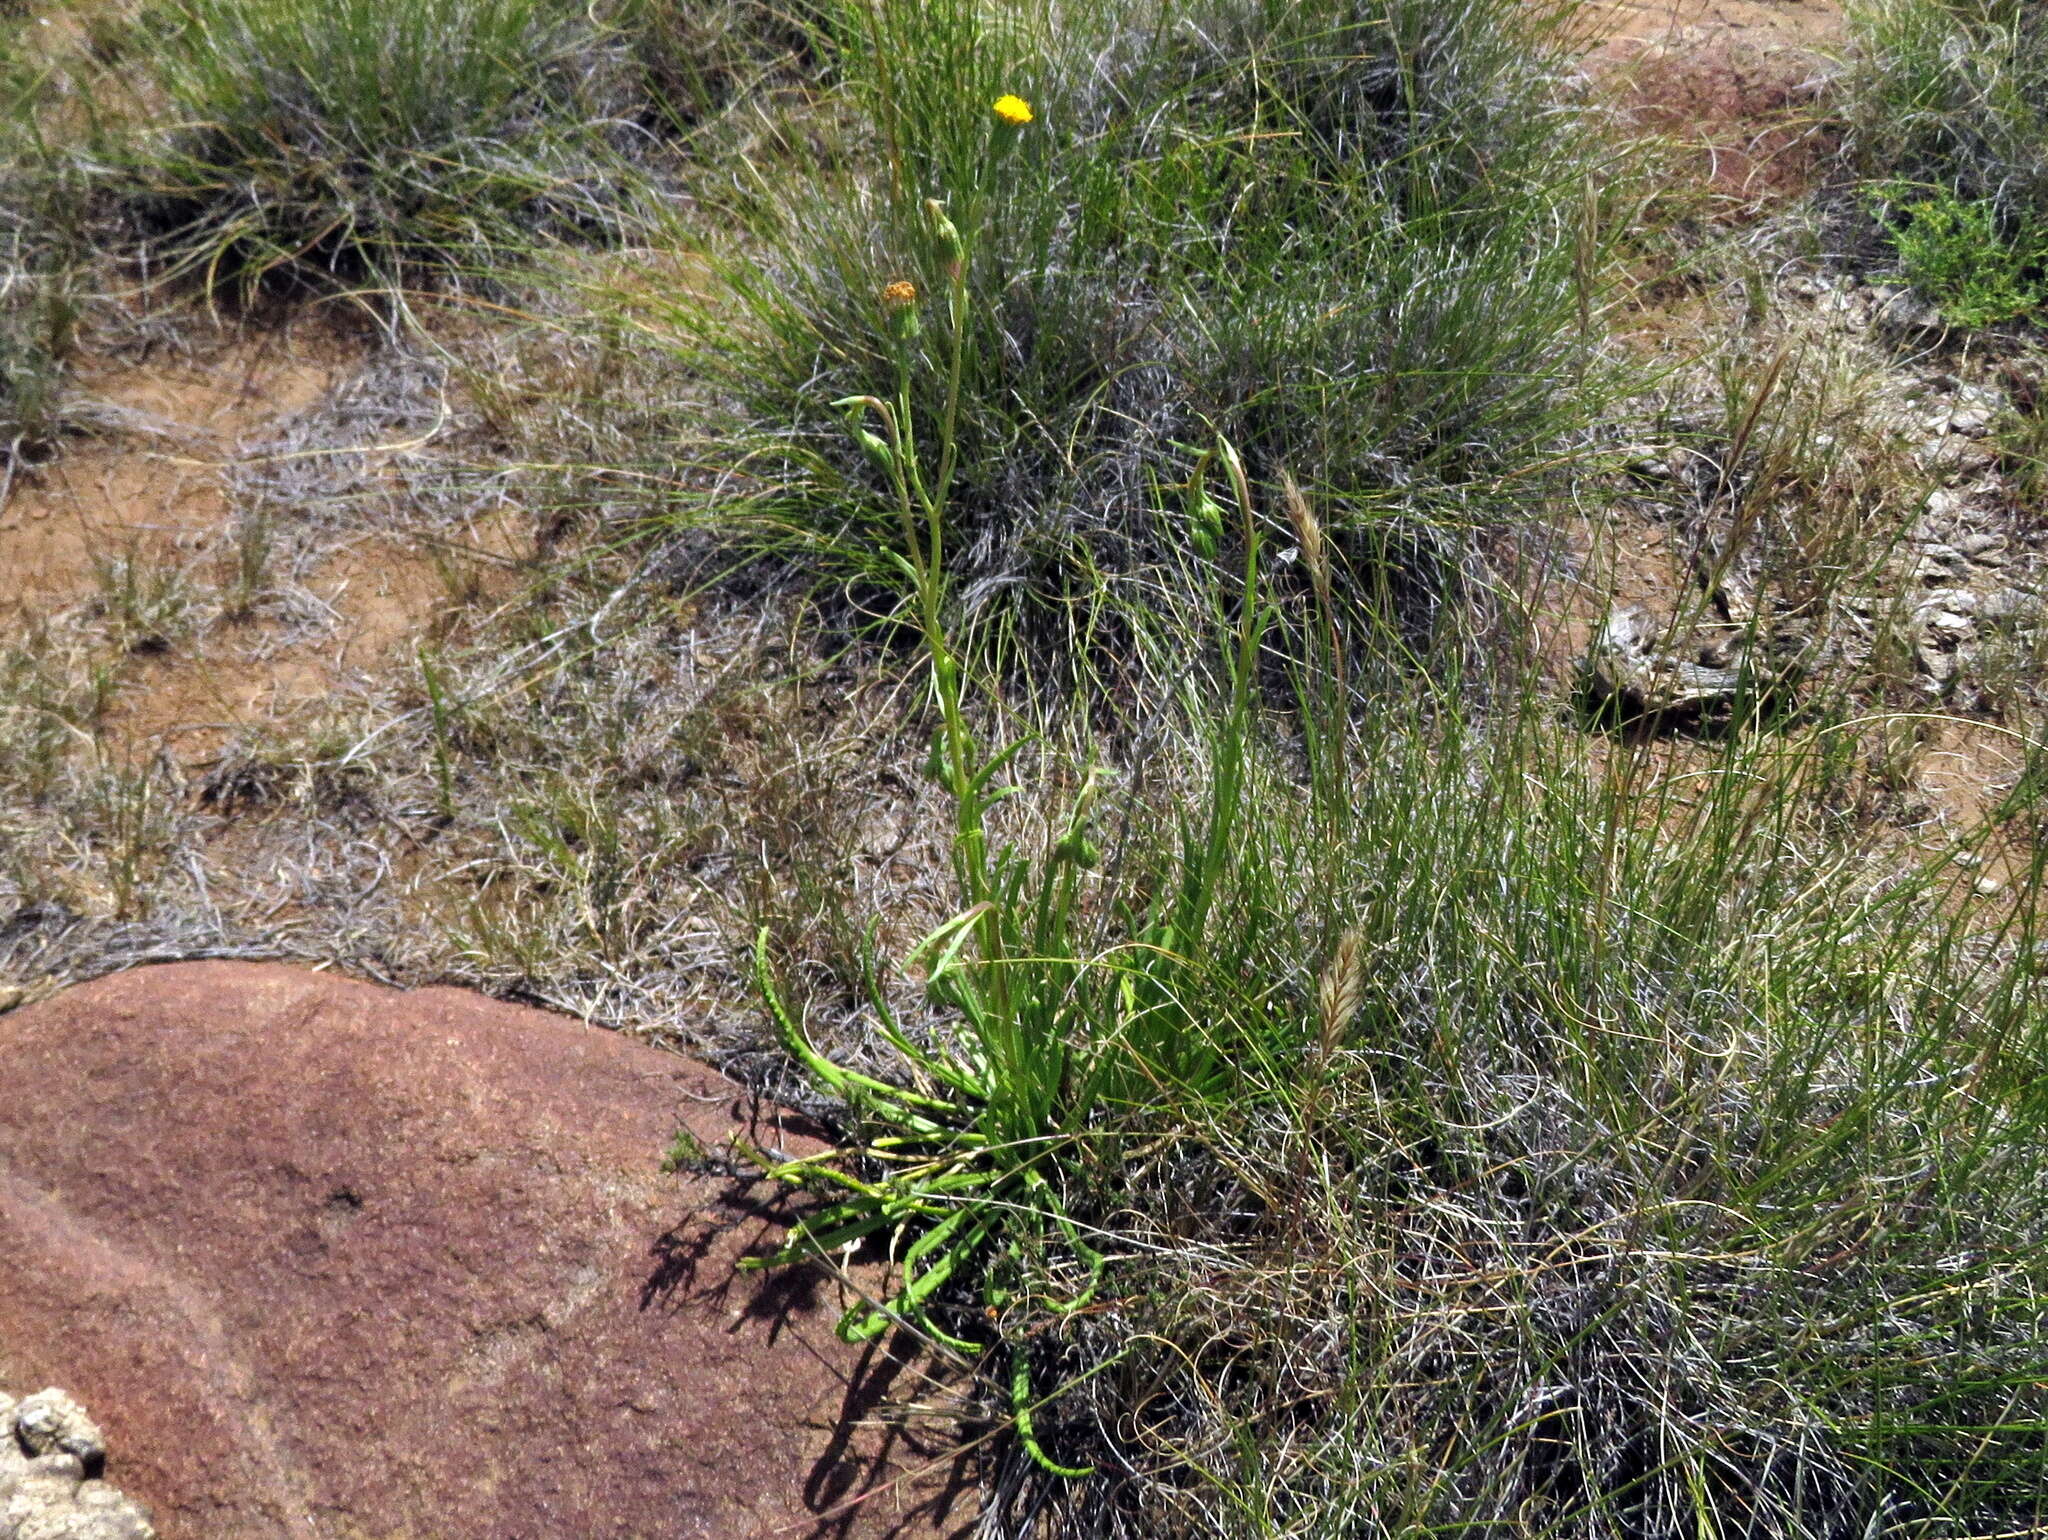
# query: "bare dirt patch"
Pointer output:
{"type": "Point", "coordinates": [187, 529]}
{"type": "Point", "coordinates": [1733, 84]}
{"type": "Point", "coordinates": [1631, 25]}
{"type": "Point", "coordinates": [387, 597]}
{"type": "Point", "coordinates": [144, 474]}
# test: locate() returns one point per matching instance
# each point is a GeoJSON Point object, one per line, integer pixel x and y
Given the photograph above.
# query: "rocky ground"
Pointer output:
{"type": "Point", "coordinates": [1955, 598]}
{"type": "Point", "coordinates": [52, 1457]}
{"type": "Point", "coordinates": [336, 1260]}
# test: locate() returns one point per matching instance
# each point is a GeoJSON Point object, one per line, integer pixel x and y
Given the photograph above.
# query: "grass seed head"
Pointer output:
{"type": "Point", "coordinates": [1341, 990]}
{"type": "Point", "coordinates": [1308, 530]}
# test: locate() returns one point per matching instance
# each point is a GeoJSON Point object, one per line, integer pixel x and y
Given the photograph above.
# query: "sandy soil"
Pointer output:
{"type": "Point", "coordinates": [146, 476]}
{"type": "Point", "coordinates": [150, 481]}
{"type": "Point", "coordinates": [1799, 24]}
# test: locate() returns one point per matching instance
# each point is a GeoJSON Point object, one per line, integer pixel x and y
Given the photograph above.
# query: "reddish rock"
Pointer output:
{"type": "Point", "coordinates": [328, 1260]}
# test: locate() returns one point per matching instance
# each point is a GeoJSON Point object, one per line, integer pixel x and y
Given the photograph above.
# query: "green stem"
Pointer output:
{"type": "Point", "coordinates": [927, 560]}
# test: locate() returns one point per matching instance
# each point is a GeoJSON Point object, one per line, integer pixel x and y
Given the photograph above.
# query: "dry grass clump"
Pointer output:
{"type": "Point", "coordinates": [359, 139]}
{"type": "Point", "coordinates": [627, 815]}
{"type": "Point", "coordinates": [80, 830]}
{"type": "Point", "coordinates": [37, 315]}
{"type": "Point", "coordinates": [267, 144]}
{"type": "Point", "coordinates": [1375, 1118]}
{"type": "Point", "coordinates": [1379, 1120]}
{"type": "Point", "coordinates": [1621, 1153]}
{"type": "Point", "coordinates": [40, 258]}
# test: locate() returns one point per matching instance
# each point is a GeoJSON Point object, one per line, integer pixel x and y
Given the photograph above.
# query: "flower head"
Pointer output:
{"type": "Point", "coordinates": [1013, 110]}
{"type": "Point", "coordinates": [899, 309]}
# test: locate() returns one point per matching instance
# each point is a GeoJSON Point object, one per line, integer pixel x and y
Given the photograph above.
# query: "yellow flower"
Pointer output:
{"type": "Point", "coordinates": [1013, 110]}
{"type": "Point", "coordinates": [899, 309]}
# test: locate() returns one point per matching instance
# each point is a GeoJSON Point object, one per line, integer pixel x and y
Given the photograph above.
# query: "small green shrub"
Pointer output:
{"type": "Point", "coordinates": [970, 1156]}
{"type": "Point", "coordinates": [1956, 254]}
{"type": "Point", "coordinates": [1948, 117]}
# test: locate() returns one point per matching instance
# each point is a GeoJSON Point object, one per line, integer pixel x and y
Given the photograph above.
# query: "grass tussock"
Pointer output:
{"type": "Point", "coordinates": [1425, 1126]}
{"type": "Point", "coordinates": [38, 315]}
{"type": "Point", "coordinates": [1580, 1225]}
{"type": "Point", "coordinates": [1604, 1211]}
{"type": "Point", "coordinates": [1353, 239]}
{"type": "Point", "coordinates": [41, 254]}
{"type": "Point", "coordinates": [360, 141]}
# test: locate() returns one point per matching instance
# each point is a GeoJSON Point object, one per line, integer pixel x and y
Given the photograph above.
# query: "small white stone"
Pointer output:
{"type": "Point", "coordinates": [2010, 606]}
{"type": "Point", "coordinates": [1944, 501]}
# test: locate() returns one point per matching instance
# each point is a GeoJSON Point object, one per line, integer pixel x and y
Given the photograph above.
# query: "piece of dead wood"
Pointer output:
{"type": "Point", "coordinates": [1628, 665]}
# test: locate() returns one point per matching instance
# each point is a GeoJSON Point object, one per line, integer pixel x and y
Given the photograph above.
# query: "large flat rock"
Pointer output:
{"type": "Point", "coordinates": [330, 1260]}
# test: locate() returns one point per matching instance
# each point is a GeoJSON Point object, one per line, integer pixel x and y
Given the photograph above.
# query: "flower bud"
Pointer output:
{"type": "Point", "coordinates": [949, 237]}
{"type": "Point", "coordinates": [1077, 849]}
{"type": "Point", "coordinates": [878, 452]}
{"type": "Point", "coordinates": [1205, 523]}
